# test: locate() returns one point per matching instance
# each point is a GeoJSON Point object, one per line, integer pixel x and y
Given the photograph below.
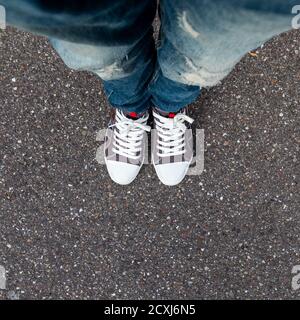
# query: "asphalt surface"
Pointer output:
{"type": "Point", "coordinates": [68, 232]}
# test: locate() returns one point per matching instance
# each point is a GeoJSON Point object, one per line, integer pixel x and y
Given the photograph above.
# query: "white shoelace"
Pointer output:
{"type": "Point", "coordinates": [172, 134]}
{"type": "Point", "coordinates": [128, 139]}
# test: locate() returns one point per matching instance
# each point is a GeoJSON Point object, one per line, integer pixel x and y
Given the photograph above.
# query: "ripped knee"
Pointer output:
{"type": "Point", "coordinates": [109, 63]}
{"type": "Point", "coordinates": [189, 72]}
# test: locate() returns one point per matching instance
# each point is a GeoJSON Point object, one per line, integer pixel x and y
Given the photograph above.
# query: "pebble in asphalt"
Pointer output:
{"type": "Point", "coordinates": [66, 231]}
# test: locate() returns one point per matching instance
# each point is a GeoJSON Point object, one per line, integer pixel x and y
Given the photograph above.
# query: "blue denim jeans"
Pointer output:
{"type": "Point", "coordinates": [200, 42]}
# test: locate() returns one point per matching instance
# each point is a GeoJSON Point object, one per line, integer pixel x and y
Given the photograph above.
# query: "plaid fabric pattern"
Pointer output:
{"type": "Point", "coordinates": [109, 146]}
{"type": "Point", "coordinates": [187, 156]}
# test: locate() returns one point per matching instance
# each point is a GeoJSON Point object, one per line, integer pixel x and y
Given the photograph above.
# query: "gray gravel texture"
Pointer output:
{"type": "Point", "coordinates": [68, 232]}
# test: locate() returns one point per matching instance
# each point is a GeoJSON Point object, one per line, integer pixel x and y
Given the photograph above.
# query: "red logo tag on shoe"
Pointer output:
{"type": "Point", "coordinates": [133, 115]}
{"type": "Point", "coordinates": [171, 115]}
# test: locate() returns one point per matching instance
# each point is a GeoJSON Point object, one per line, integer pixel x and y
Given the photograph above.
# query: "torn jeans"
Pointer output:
{"type": "Point", "coordinates": [200, 41]}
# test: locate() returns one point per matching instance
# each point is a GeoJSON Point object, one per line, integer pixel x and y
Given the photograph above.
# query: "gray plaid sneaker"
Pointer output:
{"type": "Point", "coordinates": [125, 146]}
{"type": "Point", "coordinates": [172, 146]}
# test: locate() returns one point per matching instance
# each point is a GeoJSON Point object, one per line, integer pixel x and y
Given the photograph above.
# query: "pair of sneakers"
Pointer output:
{"type": "Point", "coordinates": [171, 145]}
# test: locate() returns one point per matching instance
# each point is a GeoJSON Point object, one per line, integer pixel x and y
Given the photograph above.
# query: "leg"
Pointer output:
{"type": "Point", "coordinates": [113, 40]}
{"type": "Point", "coordinates": [125, 70]}
{"type": "Point", "coordinates": [201, 41]}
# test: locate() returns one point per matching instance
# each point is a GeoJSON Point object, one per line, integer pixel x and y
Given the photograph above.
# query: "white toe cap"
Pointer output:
{"type": "Point", "coordinates": [172, 174]}
{"type": "Point", "coordinates": [121, 172]}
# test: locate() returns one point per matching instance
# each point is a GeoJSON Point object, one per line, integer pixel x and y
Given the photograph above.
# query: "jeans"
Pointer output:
{"type": "Point", "coordinates": [200, 41]}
